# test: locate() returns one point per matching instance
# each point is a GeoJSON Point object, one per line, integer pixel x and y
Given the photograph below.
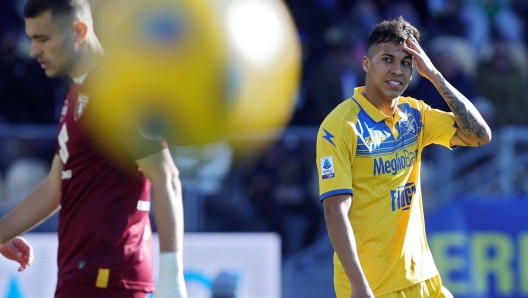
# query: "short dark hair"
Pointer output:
{"type": "Point", "coordinates": [34, 8]}
{"type": "Point", "coordinates": [397, 30]}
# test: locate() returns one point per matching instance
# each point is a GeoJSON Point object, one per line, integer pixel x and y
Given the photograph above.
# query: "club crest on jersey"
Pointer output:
{"type": "Point", "coordinates": [327, 167]}
{"type": "Point", "coordinates": [408, 124]}
{"type": "Point", "coordinates": [80, 106]}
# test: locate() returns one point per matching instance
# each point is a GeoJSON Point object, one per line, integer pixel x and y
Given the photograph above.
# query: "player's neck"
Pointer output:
{"type": "Point", "coordinates": [88, 58]}
{"type": "Point", "coordinates": [386, 105]}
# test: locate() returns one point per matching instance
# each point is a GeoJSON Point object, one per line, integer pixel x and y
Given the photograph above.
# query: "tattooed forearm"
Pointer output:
{"type": "Point", "coordinates": [472, 129]}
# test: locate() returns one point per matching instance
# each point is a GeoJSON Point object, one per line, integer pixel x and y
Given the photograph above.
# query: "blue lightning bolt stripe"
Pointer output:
{"type": "Point", "coordinates": [328, 136]}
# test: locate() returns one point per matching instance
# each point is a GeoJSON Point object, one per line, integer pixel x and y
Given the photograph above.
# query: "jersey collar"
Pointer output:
{"type": "Point", "coordinates": [370, 109]}
{"type": "Point", "coordinates": [80, 80]}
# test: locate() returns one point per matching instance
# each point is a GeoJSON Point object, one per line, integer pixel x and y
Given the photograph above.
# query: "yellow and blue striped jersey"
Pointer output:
{"type": "Point", "coordinates": [376, 158]}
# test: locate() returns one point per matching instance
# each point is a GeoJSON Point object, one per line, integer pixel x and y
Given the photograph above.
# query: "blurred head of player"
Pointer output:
{"type": "Point", "coordinates": [62, 36]}
{"type": "Point", "coordinates": [388, 67]}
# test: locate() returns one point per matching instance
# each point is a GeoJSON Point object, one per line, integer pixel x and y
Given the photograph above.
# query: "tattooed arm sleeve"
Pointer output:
{"type": "Point", "coordinates": [472, 129]}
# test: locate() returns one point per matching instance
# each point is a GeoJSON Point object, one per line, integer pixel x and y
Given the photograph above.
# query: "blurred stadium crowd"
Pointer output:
{"type": "Point", "coordinates": [480, 46]}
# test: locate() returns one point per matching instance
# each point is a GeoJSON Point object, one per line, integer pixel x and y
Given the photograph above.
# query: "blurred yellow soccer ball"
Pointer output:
{"type": "Point", "coordinates": [164, 70]}
{"type": "Point", "coordinates": [265, 63]}
{"type": "Point", "coordinates": [195, 71]}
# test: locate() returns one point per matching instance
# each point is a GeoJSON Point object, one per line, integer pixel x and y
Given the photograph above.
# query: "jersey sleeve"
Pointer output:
{"type": "Point", "coordinates": [139, 146]}
{"type": "Point", "coordinates": [439, 126]}
{"type": "Point", "coordinates": [334, 158]}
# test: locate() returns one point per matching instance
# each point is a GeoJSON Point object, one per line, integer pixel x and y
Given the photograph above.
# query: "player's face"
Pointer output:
{"type": "Point", "coordinates": [389, 70]}
{"type": "Point", "coordinates": [52, 45]}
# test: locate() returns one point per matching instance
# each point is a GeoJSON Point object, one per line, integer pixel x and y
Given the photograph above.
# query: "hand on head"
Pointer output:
{"type": "Point", "coordinates": [423, 63]}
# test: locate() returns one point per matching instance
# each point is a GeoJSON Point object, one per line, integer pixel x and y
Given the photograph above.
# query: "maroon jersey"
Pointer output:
{"type": "Point", "coordinates": [104, 229]}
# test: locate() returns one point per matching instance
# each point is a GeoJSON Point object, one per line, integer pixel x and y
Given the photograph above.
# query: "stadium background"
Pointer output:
{"type": "Point", "coordinates": [475, 199]}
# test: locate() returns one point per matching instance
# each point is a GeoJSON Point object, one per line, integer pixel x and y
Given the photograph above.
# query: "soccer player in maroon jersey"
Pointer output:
{"type": "Point", "coordinates": [105, 243]}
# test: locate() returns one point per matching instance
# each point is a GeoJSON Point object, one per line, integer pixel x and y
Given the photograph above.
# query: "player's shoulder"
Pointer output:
{"type": "Point", "coordinates": [339, 123]}
{"type": "Point", "coordinates": [409, 100]}
{"type": "Point", "coordinates": [347, 111]}
{"type": "Point", "coordinates": [412, 103]}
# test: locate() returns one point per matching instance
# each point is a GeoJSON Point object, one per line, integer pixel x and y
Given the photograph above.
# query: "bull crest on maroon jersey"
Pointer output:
{"type": "Point", "coordinates": [80, 106]}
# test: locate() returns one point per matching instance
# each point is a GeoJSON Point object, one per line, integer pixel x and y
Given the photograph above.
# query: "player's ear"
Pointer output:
{"type": "Point", "coordinates": [366, 64]}
{"type": "Point", "coordinates": [81, 30]}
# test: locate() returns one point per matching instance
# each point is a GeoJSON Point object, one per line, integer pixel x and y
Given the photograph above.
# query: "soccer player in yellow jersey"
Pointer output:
{"type": "Point", "coordinates": [368, 157]}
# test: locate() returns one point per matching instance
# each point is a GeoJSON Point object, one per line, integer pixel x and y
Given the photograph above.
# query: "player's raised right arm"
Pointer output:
{"type": "Point", "coordinates": [336, 209]}
{"type": "Point", "coordinates": [38, 205]}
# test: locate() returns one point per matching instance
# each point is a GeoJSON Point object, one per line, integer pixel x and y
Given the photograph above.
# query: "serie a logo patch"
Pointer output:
{"type": "Point", "coordinates": [327, 167]}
